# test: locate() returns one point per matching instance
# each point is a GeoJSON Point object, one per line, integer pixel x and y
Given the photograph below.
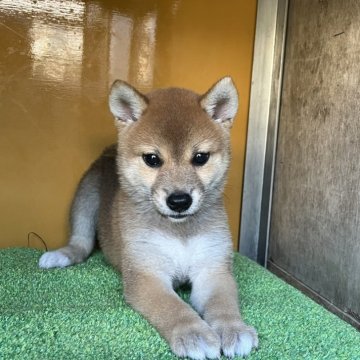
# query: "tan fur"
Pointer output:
{"type": "Point", "coordinates": [155, 252]}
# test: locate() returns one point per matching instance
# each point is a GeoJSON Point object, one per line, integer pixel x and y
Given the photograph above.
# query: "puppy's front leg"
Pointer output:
{"type": "Point", "coordinates": [187, 334]}
{"type": "Point", "coordinates": [214, 295]}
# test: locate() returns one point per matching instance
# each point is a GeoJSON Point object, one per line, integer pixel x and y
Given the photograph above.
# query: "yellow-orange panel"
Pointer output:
{"type": "Point", "coordinates": [57, 61]}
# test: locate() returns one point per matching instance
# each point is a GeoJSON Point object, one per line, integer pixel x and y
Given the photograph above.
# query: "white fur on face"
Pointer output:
{"type": "Point", "coordinates": [151, 187]}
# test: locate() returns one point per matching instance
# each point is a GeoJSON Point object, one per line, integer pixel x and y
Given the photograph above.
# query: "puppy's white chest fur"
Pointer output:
{"type": "Point", "coordinates": [179, 259]}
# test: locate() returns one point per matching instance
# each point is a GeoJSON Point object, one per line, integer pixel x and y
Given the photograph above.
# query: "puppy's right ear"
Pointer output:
{"type": "Point", "coordinates": [126, 103]}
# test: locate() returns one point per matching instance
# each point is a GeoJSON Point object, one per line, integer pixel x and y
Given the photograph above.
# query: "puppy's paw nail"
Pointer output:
{"type": "Point", "coordinates": [196, 341]}
{"type": "Point", "coordinates": [53, 259]}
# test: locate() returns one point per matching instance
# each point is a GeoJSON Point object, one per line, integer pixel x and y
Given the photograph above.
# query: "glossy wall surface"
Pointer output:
{"type": "Point", "coordinates": [58, 59]}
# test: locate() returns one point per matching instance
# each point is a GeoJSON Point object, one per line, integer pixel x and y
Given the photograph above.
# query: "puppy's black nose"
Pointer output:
{"type": "Point", "coordinates": [179, 202]}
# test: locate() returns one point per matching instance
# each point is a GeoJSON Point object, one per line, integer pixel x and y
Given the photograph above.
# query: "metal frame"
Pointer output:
{"type": "Point", "coordinates": [262, 129]}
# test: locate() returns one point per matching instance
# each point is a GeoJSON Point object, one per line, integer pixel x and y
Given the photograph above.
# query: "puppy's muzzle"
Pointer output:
{"type": "Point", "coordinates": [179, 201]}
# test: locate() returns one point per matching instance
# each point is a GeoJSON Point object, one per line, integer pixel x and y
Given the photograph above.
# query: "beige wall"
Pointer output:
{"type": "Point", "coordinates": [55, 69]}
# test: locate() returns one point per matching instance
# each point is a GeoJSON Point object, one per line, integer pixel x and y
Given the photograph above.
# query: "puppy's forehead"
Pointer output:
{"type": "Point", "coordinates": [161, 96]}
{"type": "Point", "coordinates": [171, 105]}
{"type": "Point", "coordinates": [175, 115]}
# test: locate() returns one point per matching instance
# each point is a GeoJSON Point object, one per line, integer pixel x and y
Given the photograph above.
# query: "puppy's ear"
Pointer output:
{"type": "Point", "coordinates": [221, 101]}
{"type": "Point", "coordinates": [126, 103]}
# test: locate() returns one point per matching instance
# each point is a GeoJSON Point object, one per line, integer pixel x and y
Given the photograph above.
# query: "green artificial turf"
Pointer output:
{"type": "Point", "coordinates": [80, 313]}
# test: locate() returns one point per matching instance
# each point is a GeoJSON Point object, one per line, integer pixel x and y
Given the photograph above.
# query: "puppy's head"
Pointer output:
{"type": "Point", "coordinates": [174, 145]}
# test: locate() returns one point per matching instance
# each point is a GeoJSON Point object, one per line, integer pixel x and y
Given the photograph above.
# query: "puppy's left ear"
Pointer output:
{"type": "Point", "coordinates": [221, 101]}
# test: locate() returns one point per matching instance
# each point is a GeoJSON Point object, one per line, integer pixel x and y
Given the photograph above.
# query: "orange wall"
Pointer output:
{"type": "Point", "coordinates": [56, 65]}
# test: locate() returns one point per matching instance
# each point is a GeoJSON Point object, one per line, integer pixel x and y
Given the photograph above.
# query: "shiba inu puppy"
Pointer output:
{"type": "Point", "coordinates": [155, 202]}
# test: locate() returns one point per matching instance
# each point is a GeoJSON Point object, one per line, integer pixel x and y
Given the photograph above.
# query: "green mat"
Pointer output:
{"type": "Point", "coordinates": [79, 313]}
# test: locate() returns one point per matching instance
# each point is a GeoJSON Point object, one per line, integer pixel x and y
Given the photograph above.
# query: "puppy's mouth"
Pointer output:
{"type": "Point", "coordinates": [178, 216]}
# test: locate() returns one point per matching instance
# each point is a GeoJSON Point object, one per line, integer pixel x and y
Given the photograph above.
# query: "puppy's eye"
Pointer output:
{"type": "Point", "coordinates": [200, 159]}
{"type": "Point", "coordinates": [152, 160]}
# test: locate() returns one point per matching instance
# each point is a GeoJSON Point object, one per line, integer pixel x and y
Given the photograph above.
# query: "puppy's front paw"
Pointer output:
{"type": "Point", "coordinates": [236, 338]}
{"type": "Point", "coordinates": [195, 340]}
